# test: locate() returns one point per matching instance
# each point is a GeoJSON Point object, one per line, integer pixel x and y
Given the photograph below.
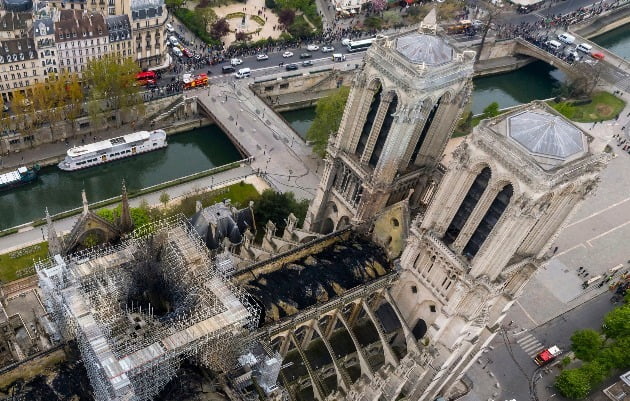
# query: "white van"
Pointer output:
{"type": "Point", "coordinates": [243, 73]}
{"type": "Point", "coordinates": [566, 38]}
{"type": "Point", "coordinates": [173, 40]}
{"type": "Point", "coordinates": [554, 44]}
{"type": "Point", "coordinates": [338, 57]}
{"type": "Point", "coordinates": [585, 48]}
{"type": "Point", "coordinates": [177, 52]}
{"type": "Point", "coordinates": [170, 28]}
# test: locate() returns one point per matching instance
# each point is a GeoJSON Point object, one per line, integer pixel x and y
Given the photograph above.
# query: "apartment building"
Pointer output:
{"type": "Point", "coordinates": [80, 36]}
{"type": "Point", "coordinates": [148, 22]}
{"type": "Point", "coordinates": [44, 35]}
{"type": "Point", "coordinates": [119, 35]}
{"type": "Point", "coordinates": [15, 25]}
{"type": "Point", "coordinates": [19, 66]}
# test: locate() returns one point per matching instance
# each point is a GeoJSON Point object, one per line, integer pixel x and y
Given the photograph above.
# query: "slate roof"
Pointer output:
{"type": "Point", "coordinates": [78, 24]}
{"type": "Point", "coordinates": [545, 134]}
{"type": "Point", "coordinates": [14, 20]}
{"type": "Point", "coordinates": [118, 27]}
{"type": "Point", "coordinates": [16, 50]}
{"type": "Point", "coordinates": [220, 221]}
{"type": "Point", "coordinates": [420, 48]}
{"type": "Point", "coordinates": [141, 9]}
{"type": "Point", "coordinates": [43, 27]}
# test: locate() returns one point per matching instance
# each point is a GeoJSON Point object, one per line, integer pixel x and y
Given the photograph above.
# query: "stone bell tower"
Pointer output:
{"type": "Point", "coordinates": [402, 108]}
{"type": "Point", "coordinates": [508, 192]}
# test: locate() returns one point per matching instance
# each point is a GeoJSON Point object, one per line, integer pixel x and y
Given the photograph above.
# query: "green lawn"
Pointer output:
{"type": "Point", "coordinates": [603, 106]}
{"type": "Point", "coordinates": [9, 266]}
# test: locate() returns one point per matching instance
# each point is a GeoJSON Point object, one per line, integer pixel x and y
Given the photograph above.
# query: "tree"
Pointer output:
{"type": "Point", "coordinates": [617, 322]}
{"type": "Point", "coordinates": [241, 36]}
{"type": "Point", "coordinates": [392, 17]}
{"type": "Point", "coordinates": [492, 110]}
{"type": "Point", "coordinates": [300, 28]}
{"type": "Point", "coordinates": [112, 86]}
{"type": "Point", "coordinates": [328, 114]}
{"type": "Point", "coordinates": [373, 22]}
{"type": "Point", "coordinates": [276, 207]}
{"type": "Point", "coordinates": [271, 4]}
{"type": "Point", "coordinates": [378, 5]}
{"type": "Point", "coordinates": [286, 16]}
{"type": "Point", "coordinates": [164, 198]}
{"type": "Point", "coordinates": [173, 4]}
{"type": "Point", "coordinates": [208, 16]}
{"type": "Point", "coordinates": [220, 28]}
{"type": "Point", "coordinates": [586, 344]}
{"type": "Point", "coordinates": [573, 383]}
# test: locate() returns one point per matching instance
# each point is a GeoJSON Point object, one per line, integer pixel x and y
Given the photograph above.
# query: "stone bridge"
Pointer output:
{"type": "Point", "coordinates": [279, 153]}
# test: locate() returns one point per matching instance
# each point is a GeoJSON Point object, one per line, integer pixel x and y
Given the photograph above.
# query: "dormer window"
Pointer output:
{"type": "Point", "coordinates": [1, 59]}
{"type": "Point", "coordinates": [21, 56]}
{"type": "Point", "coordinates": [67, 36]}
{"type": "Point", "coordinates": [74, 34]}
{"type": "Point", "coordinates": [14, 57]}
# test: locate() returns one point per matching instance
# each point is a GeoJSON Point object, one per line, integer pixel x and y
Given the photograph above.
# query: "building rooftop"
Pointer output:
{"type": "Point", "coordinates": [78, 24]}
{"type": "Point", "coordinates": [118, 27]}
{"type": "Point", "coordinates": [420, 48]}
{"type": "Point", "coordinates": [544, 134]}
{"type": "Point", "coordinates": [44, 27]}
{"type": "Point", "coordinates": [17, 50]}
{"type": "Point", "coordinates": [323, 275]}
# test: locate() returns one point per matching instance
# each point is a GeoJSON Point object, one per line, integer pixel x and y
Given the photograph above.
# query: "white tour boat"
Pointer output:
{"type": "Point", "coordinates": [109, 150]}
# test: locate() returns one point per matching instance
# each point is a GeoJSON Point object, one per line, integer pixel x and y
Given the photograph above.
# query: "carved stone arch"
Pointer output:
{"type": "Point", "coordinates": [343, 222]}
{"type": "Point", "coordinates": [346, 309]}
{"type": "Point", "coordinates": [447, 96]}
{"type": "Point", "coordinates": [374, 82]}
{"type": "Point", "coordinates": [479, 163]}
{"type": "Point", "coordinates": [285, 248]}
{"type": "Point", "coordinates": [308, 238]}
{"type": "Point", "coordinates": [497, 183]}
{"type": "Point", "coordinates": [566, 190]}
{"type": "Point", "coordinates": [277, 341]}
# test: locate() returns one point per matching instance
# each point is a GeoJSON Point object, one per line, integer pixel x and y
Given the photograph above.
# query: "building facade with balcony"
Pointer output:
{"type": "Point", "coordinates": [80, 36]}
{"type": "Point", "coordinates": [44, 35]}
{"type": "Point", "coordinates": [148, 23]}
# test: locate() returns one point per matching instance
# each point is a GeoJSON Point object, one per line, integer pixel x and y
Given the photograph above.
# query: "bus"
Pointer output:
{"type": "Point", "coordinates": [146, 77]}
{"type": "Point", "coordinates": [360, 45]}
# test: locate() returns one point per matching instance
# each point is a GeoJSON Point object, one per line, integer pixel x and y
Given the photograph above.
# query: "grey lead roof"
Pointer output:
{"type": "Point", "coordinates": [546, 134]}
{"type": "Point", "coordinates": [421, 48]}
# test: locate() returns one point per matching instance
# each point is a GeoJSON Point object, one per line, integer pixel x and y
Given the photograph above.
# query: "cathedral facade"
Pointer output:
{"type": "Point", "coordinates": [489, 221]}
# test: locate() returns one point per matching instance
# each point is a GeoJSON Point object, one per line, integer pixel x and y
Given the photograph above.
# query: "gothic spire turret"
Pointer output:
{"type": "Point", "coordinates": [55, 246]}
{"type": "Point", "coordinates": [125, 223]}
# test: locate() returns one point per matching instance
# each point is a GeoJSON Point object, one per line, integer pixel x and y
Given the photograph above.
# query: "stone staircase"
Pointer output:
{"type": "Point", "coordinates": [162, 114]}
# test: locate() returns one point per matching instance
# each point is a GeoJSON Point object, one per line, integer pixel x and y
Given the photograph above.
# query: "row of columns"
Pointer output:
{"type": "Point", "coordinates": [348, 184]}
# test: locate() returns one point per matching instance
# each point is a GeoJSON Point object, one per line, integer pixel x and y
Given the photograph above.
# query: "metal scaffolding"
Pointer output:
{"type": "Point", "coordinates": [130, 351]}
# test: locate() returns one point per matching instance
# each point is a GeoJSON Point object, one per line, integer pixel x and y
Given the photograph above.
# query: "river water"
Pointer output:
{"type": "Point", "coordinates": [186, 153]}
{"type": "Point", "coordinates": [208, 147]}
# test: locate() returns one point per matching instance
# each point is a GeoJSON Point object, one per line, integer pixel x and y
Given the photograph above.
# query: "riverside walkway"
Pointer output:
{"type": "Point", "coordinates": [280, 154]}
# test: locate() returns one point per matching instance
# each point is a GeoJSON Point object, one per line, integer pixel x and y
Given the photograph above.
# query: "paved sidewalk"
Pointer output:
{"type": "Point", "coordinates": [33, 235]}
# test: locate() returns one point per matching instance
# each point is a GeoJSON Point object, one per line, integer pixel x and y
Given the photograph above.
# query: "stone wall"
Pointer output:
{"type": "Point", "coordinates": [300, 90]}
{"type": "Point", "coordinates": [61, 131]}
{"type": "Point", "coordinates": [603, 23]}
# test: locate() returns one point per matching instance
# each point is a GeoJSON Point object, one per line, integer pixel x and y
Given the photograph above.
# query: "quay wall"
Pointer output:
{"type": "Point", "coordinates": [603, 23]}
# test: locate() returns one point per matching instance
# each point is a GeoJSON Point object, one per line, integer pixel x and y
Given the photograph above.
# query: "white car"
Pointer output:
{"type": "Point", "coordinates": [327, 49]}
{"type": "Point", "coordinates": [287, 54]}
{"type": "Point", "coordinates": [170, 28]}
{"type": "Point", "coordinates": [236, 61]}
{"type": "Point", "coordinates": [312, 48]}
{"type": "Point", "coordinates": [262, 57]}
{"type": "Point", "coordinates": [345, 41]}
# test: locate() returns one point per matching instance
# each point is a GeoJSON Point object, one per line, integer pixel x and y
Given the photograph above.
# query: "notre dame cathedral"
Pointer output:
{"type": "Point", "coordinates": [480, 228]}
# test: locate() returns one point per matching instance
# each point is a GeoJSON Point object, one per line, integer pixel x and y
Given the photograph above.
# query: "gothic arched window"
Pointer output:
{"type": "Point", "coordinates": [494, 213]}
{"type": "Point", "coordinates": [467, 206]}
{"type": "Point", "coordinates": [369, 120]}
{"type": "Point", "coordinates": [384, 131]}
{"type": "Point", "coordinates": [425, 130]}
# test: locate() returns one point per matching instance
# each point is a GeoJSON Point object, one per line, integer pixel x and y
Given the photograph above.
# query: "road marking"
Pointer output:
{"type": "Point", "coordinates": [607, 232]}
{"type": "Point", "coordinates": [569, 250]}
{"type": "Point", "coordinates": [527, 314]}
{"type": "Point", "coordinates": [599, 212]}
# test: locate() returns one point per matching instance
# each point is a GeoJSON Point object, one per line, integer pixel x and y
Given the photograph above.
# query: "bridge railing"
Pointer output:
{"type": "Point", "coordinates": [609, 57]}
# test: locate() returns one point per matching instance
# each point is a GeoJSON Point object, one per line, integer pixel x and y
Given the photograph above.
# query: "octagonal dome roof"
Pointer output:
{"type": "Point", "coordinates": [422, 48]}
{"type": "Point", "coordinates": [546, 134]}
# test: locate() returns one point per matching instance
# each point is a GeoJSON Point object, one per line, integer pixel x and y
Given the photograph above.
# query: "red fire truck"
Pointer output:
{"type": "Point", "coordinates": [547, 355]}
{"type": "Point", "coordinates": [195, 81]}
{"type": "Point", "coordinates": [146, 77]}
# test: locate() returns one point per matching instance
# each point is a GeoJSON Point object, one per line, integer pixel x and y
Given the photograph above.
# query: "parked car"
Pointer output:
{"type": "Point", "coordinates": [312, 48]}
{"type": "Point", "coordinates": [235, 62]}
{"type": "Point", "coordinates": [287, 54]}
{"type": "Point", "coordinates": [306, 55]}
{"type": "Point", "coordinates": [226, 69]}
{"type": "Point", "coordinates": [170, 28]}
{"type": "Point", "coordinates": [177, 52]}
{"type": "Point", "coordinates": [307, 63]}
{"type": "Point", "coordinates": [262, 57]}
{"type": "Point", "coordinates": [327, 49]}
{"type": "Point", "coordinates": [597, 55]}
{"type": "Point", "coordinates": [291, 67]}
{"type": "Point", "coordinates": [187, 52]}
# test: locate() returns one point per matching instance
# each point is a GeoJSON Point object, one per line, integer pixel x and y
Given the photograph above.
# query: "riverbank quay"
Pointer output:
{"type": "Point", "coordinates": [52, 153]}
{"type": "Point", "coordinates": [29, 234]}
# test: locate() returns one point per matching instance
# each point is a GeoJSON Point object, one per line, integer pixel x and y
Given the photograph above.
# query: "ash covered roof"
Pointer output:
{"type": "Point", "coordinates": [318, 277]}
